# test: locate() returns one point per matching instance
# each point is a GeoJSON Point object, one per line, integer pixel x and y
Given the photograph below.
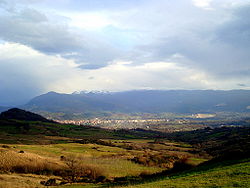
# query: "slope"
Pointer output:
{"type": "Point", "coordinates": [218, 175]}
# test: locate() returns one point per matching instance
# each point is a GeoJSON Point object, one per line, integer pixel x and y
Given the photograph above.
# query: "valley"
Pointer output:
{"type": "Point", "coordinates": [36, 152]}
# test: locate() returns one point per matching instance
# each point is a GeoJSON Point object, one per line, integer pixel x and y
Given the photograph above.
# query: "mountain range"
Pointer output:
{"type": "Point", "coordinates": [143, 101]}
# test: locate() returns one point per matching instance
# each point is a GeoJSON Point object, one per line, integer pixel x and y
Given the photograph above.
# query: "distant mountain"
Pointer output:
{"type": "Point", "coordinates": [145, 101]}
{"type": "Point", "coordinates": [19, 114]}
{"type": "Point", "coordinates": [55, 102]}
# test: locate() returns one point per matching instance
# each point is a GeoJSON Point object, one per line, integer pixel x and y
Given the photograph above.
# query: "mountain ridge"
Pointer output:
{"type": "Point", "coordinates": [144, 101]}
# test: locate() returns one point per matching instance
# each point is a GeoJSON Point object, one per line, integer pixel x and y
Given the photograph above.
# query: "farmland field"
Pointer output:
{"type": "Point", "coordinates": [115, 161]}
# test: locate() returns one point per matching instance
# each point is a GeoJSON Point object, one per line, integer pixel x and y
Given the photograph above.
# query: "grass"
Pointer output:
{"type": "Point", "coordinates": [86, 150]}
{"type": "Point", "coordinates": [234, 175]}
{"type": "Point", "coordinates": [219, 175]}
{"type": "Point", "coordinates": [22, 180]}
{"type": "Point", "coordinates": [112, 159]}
{"type": "Point", "coordinates": [14, 161]}
{"type": "Point", "coordinates": [196, 161]}
{"type": "Point", "coordinates": [116, 167]}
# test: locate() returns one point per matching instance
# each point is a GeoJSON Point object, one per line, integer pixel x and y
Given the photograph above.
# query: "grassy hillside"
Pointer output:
{"type": "Point", "coordinates": [227, 174]}
{"type": "Point", "coordinates": [17, 131]}
{"type": "Point", "coordinates": [218, 175]}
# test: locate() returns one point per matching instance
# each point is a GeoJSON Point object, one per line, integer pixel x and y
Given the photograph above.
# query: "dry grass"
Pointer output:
{"type": "Point", "coordinates": [71, 169]}
{"type": "Point", "coordinates": [77, 169]}
{"type": "Point", "coordinates": [14, 161]}
{"type": "Point", "coordinates": [22, 180]}
{"type": "Point", "coordinates": [86, 150]}
{"type": "Point", "coordinates": [117, 167]}
{"type": "Point", "coordinates": [29, 162]}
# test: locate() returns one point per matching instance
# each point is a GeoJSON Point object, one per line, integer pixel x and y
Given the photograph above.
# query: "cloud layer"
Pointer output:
{"type": "Point", "coordinates": [121, 45]}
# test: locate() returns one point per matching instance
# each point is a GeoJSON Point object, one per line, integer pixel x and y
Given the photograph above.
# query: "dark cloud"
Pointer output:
{"type": "Point", "coordinates": [17, 86]}
{"type": "Point", "coordinates": [220, 48]}
{"type": "Point", "coordinates": [33, 28]}
{"type": "Point", "coordinates": [236, 32]}
{"type": "Point", "coordinates": [11, 95]}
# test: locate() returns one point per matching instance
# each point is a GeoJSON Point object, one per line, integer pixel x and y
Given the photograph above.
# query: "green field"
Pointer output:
{"type": "Point", "coordinates": [218, 175]}
{"type": "Point", "coordinates": [112, 161]}
{"type": "Point", "coordinates": [235, 175]}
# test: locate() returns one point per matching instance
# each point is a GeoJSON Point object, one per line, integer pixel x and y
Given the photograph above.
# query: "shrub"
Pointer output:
{"type": "Point", "coordinates": [5, 146]}
{"type": "Point", "coordinates": [101, 179]}
{"type": "Point", "coordinates": [50, 182]}
{"type": "Point", "coordinates": [159, 160]}
{"type": "Point", "coordinates": [144, 174]}
{"type": "Point", "coordinates": [77, 171]}
{"type": "Point", "coordinates": [181, 165]}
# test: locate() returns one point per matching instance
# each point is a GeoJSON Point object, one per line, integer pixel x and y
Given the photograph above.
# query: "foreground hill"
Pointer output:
{"type": "Point", "coordinates": [144, 101]}
{"type": "Point", "coordinates": [215, 175]}
{"type": "Point", "coordinates": [224, 174]}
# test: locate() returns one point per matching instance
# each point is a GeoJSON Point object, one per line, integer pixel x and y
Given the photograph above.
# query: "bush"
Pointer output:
{"type": "Point", "coordinates": [50, 182]}
{"type": "Point", "coordinates": [144, 174]}
{"type": "Point", "coordinates": [5, 146]}
{"type": "Point", "coordinates": [77, 171]}
{"type": "Point", "coordinates": [159, 160]}
{"type": "Point", "coordinates": [181, 165]}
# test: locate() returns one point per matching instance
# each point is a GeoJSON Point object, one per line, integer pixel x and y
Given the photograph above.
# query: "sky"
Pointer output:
{"type": "Point", "coordinates": [116, 45]}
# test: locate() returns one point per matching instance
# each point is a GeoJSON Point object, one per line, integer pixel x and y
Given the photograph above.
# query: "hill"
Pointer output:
{"type": "Point", "coordinates": [20, 126]}
{"type": "Point", "coordinates": [19, 114]}
{"type": "Point", "coordinates": [143, 101]}
{"type": "Point", "coordinates": [236, 174]}
{"type": "Point", "coordinates": [222, 143]}
{"type": "Point", "coordinates": [224, 174]}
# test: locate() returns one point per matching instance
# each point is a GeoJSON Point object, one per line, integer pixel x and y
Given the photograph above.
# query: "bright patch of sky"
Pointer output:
{"type": "Point", "coordinates": [202, 3]}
